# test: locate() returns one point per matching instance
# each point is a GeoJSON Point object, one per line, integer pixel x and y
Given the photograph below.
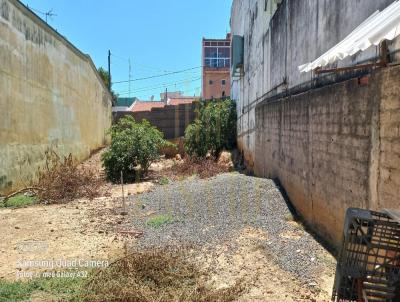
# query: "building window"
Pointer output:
{"type": "Point", "coordinates": [223, 82]}
{"type": "Point", "coordinates": [223, 94]}
{"type": "Point", "coordinates": [217, 56]}
{"type": "Point", "coordinates": [210, 82]}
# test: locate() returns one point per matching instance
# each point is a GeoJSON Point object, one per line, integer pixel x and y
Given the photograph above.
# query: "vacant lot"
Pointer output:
{"type": "Point", "coordinates": [233, 228]}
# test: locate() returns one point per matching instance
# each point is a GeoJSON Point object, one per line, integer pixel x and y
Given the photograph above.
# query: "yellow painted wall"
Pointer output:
{"type": "Point", "coordinates": [50, 97]}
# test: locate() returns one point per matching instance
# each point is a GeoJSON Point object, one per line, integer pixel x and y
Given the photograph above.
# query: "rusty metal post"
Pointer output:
{"type": "Point", "coordinates": [384, 53]}
{"type": "Point", "coordinates": [124, 212]}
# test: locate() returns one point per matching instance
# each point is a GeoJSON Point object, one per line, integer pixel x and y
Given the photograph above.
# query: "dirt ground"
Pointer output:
{"type": "Point", "coordinates": [86, 230]}
{"type": "Point", "coordinates": [244, 258]}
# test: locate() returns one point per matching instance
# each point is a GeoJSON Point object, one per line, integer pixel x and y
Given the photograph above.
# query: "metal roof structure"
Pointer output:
{"type": "Point", "coordinates": [384, 25]}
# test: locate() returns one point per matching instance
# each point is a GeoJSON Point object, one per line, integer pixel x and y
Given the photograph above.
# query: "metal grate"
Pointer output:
{"type": "Point", "coordinates": [368, 267]}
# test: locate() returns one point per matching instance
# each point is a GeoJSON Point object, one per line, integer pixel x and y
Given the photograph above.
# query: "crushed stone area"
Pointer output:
{"type": "Point", "coordinates": [213, 211]}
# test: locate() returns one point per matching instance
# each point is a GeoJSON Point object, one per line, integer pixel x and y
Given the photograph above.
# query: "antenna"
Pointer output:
{"type": "Point", "coordinates": [48, 15]}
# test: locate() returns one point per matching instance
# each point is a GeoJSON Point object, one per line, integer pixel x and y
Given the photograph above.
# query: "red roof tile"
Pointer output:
{"type": "Point", "coordinates": [139, 106]}
{"type": "Point", "coordinates": [180, 101]}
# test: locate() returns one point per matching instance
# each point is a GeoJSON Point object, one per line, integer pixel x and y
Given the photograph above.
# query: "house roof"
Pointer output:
{"type": "Point", "coordinates": [125, 101]}
{"type": "Point", "coordinates": [180, 101]}
{"type": "Point", "coordinates": [140, 106]}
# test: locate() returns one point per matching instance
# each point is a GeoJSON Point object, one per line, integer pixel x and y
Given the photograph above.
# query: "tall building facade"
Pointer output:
{"type": "Point", "coordinates": [216, 61]}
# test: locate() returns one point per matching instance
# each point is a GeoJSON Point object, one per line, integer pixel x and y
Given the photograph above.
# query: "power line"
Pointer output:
{"type": "Point", "coordinates": [157, 76]}
{"type": "Point", "coordinates": [168, 84]}
{"type": "Point", "coordinates": [151, 88]}
{"type": "Point", "coordinates": [194, 89]}
{"type": "Point", "coordinates": [141, 66]}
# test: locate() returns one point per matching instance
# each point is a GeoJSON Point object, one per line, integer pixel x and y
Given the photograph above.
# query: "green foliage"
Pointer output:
{"type": "Point", "coordinates": [106, 79]}
{"type": "Point", "coordinates": [196, 139]}
{"type": "Point", "coordinates": [65, 289]}
{"type": "Point", "coordinates": [19, 201]}
{"type": "Point", "coordinates": [159, 220]}
{"type": "Point", "coordinates": [163, 181]}
{"type": "Point", "coordinates": [214, 130]}
{"type": "Point", "coordinates": [134, 146]}
{"type": "Point", "coordinates": [104, 76]}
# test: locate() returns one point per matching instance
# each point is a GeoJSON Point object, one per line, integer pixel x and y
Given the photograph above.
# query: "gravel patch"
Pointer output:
{"type": "Point", "coordinates": [211, 211]}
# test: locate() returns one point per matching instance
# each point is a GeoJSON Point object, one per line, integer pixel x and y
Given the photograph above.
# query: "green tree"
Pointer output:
{"type": "Point", "coordinates": [214, 130]}
{"type": "Point", "coordinates": [134, 146]}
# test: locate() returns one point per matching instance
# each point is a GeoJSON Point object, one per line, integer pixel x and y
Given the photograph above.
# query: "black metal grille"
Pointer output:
{"type": "Point", "coordinates": [368, 267]}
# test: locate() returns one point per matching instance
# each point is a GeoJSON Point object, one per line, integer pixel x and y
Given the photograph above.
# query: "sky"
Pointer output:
{"type": "Point", "coordinates": [157, 36]}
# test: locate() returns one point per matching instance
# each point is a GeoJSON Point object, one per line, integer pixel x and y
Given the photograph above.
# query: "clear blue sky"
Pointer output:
{"type": "Point", "coordinates": [157, 36]}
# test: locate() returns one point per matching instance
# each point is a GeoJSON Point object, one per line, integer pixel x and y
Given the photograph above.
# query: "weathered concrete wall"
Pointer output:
{"type": "Point", "coordinates": [333, 148]}
{"type": "Point", "coordinates": [279, 38]}
{"type": "Point", "coordinates": [51, 97]}
{"type": "Point", "coordinates": [170, 120]}
{"type": "Point", "coordinates": [386, 164]}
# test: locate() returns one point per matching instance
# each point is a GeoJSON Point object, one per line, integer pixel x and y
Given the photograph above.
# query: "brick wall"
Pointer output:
{"type": "Point", "coordinates": [334, 148]}
{"type": "Point", "coordinates": [171, 120]}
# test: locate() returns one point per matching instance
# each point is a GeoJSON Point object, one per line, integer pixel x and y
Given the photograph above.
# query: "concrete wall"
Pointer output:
{"type": "Point", "coordinates": [334, 147]}
{"type": "Point", "coordinates": [51, 97]}
{"type": "Point", "coordinates": [279, 38]}
{"type": "Point", "coordinates": [170, 120]}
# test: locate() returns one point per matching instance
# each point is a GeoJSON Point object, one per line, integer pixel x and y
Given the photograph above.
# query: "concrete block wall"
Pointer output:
{"type": "Point", "coordinates": [279, 36]}
{"type": "Point", "coordinates": [51, 97]}
{"type": "Point", "coordinates": [333, 148]}
{"type": "Point", "coordinates": [170, 120]}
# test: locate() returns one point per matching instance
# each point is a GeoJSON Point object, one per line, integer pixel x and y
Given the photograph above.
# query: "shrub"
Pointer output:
{"type": "Point", "coordinates": [195, 139]}
{"type": "Point", "coordinates": [214, 130]}
{"type": "Point", "coordinates": [62, 180]}
{"type": "Point", "coordinates": [134, 146]}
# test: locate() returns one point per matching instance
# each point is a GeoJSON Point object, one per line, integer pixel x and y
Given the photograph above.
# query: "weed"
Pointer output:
{"type": "Point", "coordinates": [289, 217]}
{"type": "Point", "coordinates": [19, 201]}
{"type": "Point", "coordinates": [163, 181]}
{"type": "Point", "coordinates": [156, 275]}
{"type": "Point", "coordinates": [65, 289]}
{"type": "Point", "coordinates": [159, 221]}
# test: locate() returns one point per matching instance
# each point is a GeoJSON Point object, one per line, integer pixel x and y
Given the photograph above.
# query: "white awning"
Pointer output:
{"type": "Point", "coordinates": [378, 27]}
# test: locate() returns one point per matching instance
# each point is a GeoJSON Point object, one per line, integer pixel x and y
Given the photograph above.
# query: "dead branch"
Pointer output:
{"type": "Point", "coordinates": [21, 191]}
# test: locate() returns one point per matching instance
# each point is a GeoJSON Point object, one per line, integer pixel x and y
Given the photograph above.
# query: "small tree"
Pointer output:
{"type": "Point", "coordinates": [134, 146]}
{"type": "Point", "coordinates": [214, 130]}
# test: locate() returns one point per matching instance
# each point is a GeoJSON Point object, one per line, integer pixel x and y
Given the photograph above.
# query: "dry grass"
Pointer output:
{"type": "Point", "coordinates": [62, 180]}
{"type": "Point", "coordinates": [204, 168]}
{"type": "Point", "coordinates": [156, 275]}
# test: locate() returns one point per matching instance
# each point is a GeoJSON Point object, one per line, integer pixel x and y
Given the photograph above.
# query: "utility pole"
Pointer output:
{"type": "Point", "coordinates": [109, 70]}
{"type": "Point", "coordinates": [129, 78]}
{"type": "Point", "coordinates": [166, 96]}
